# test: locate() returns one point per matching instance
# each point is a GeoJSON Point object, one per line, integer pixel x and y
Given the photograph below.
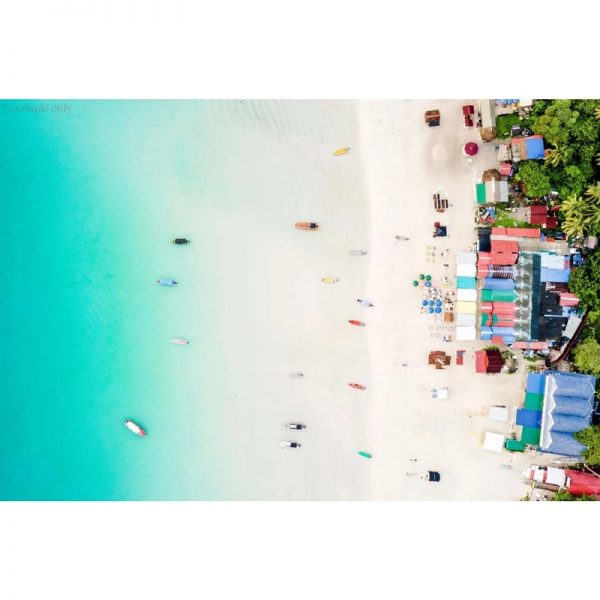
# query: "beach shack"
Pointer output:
{"type": "Point", "coordinates": [491, 192]}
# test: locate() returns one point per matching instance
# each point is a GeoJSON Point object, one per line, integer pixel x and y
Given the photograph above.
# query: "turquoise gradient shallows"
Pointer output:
{"type": "Point", "coordinates": [91, 195]}
{"type": "Point", "coordinates": [89, 200]}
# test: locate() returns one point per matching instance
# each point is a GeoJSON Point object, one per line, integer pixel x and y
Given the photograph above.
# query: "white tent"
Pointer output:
{"type": "Point", "coordinates": [466, 334]}
{"type": "Point", "coordinates": [467, 295]}
{"type": "Point", "coordinates": [466, 258]}
{"type": "Point", "coordinates": [498, 413]}
{"type": "Point", "coordinates": [494, 442]}
{"type": "Point", "coordinates": [466, 270]}
{"type": "Point", "coordinates": [465, 320]}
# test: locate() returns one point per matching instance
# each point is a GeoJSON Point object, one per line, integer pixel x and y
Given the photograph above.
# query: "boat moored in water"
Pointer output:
{"type": "Point", "coordinates": [134, 428]}
{"type": "Point", "coordinates": [358, 386]}
{"type": "Point", "coordinates": [166, 282]}
{"type": "Point", "coordinates": [307, 225]}
{"type": "Point", "coordinates": [181, 241]}
{"type": "Point", "coordinates": [179, 341]}
{"type": "Point", "coordinates": [357, 323]}
{"type": "Point", "coordinates": [341, 151]}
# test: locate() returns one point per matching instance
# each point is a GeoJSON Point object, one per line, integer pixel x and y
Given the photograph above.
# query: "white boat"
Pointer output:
{"type": "Point", "coordinates": [287, 444]}
{"type": "Point", "coordinates": [180, 341]}
{"type": "Point", "coordinates": [134, 428]}
{"type": "Point", "coordinates": [357, 252]}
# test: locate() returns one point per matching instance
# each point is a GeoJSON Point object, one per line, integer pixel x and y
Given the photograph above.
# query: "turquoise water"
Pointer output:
{"type": "Point", "coordinates": [90, 198]}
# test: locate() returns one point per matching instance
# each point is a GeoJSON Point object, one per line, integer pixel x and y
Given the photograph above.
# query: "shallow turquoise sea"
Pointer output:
{"type": "Point", "coordinates": [89, 200]}
{"type": "Point", "coordinates": [91, 194]}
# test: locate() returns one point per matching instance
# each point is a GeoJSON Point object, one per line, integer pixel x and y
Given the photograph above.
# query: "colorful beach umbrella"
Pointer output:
{"type": "Point", "coordinates": [428, 284]}
{"type": "Point", "coordinates": [424, 303]}
{"type": "Point", "coordinates": [428, 277]}
{"type": "Point", "coordinates": [415, 283]}
{"type": "Point", "coordinates": [421, 276]}
{"type": "Point", "coordinates": [438, 302]}
{"type": "Point", "coordinates": [438, 310]}
{"type": "Point", "coordinates": [431, 303]}
{"type": "Point", "coordinates": [430, 310]}
{"type": "Point", "coordinates": [471, 148]}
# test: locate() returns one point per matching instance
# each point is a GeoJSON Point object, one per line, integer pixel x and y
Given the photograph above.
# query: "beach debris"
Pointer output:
{"type": "Point", "coordinates": [330, 279]}
{"type": "Point", "coordinates": [357, 252]}
{"type": "Point", "coordinates": [357, 323]}
{"type": "Point", "coordinates": [366, 303]}
{"type": "Point", "coordinates": [296, 375]}
{"type": "Point", "coordinates": [166, 282]}
{"type": "Point", "coordinates": [341, 151]}
{"type": "Point", "coordinates": [358, 386]}
{"type": "Point", "coordinates": [288, 444]}
{"type": "Point", "coordinates": [307, 225]}
{"type": "Point", "coordinates": [365, 454]}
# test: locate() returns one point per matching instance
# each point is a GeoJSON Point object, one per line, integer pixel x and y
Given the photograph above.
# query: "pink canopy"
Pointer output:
{"type": "Point", "coordinates": [471, 148]}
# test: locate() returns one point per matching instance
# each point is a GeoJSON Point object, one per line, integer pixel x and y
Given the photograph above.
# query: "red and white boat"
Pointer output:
{"type": "Point", "coordinates": [180, 341]}
{"type": "Point", "coordinates": [357, 323]}
{"type": "Point", "coordinates": [135, 428]}
{"type": "Point", "coordinates": [358, 386]}
{"type": "Point", "coordinates": [306, 225]}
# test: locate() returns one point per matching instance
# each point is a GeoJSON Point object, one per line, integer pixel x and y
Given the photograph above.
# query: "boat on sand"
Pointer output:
{"type": "Point", "coordinates": [330, 279]}
{"type": "Point", "coordinates": [357, 323]}
{"type": "Point", "coordinates": [307, 225]}
{"type": "Point", "coordinates": [341, 151]}
{"type": "Point", "coordinates": [358, 386]}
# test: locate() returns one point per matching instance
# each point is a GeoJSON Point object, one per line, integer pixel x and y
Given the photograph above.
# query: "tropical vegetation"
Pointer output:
{"type": "Point", "coordinates": [590, 437]}
{"type": "Point", "coordinates": [564, 496]}
{"type": "Point", "coordinates": [585, 282]}
{"type": "Point", "coordinates": [587, 356]}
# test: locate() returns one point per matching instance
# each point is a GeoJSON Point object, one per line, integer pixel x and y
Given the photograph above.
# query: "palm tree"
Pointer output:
{"type": "Point", "coordinates": [554, 156]}
{"type": "Point", "coordinates": [593, 192]}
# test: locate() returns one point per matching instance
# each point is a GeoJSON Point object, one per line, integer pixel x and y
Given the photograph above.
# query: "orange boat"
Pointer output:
{"type": "Point", "coordinates": [357, 386]}
{"type": "Point", "coordinates": [357, 323]}
{"type": "Point", "coordinates": [306, 225]}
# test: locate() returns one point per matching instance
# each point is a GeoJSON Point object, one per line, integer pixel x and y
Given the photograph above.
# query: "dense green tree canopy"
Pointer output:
{"type": "Point", "coordinates": [533, 179]}
{"type": "Point", "coordinates": [585, 282]}
{"type": "Point", "coordinates": [587, 357]}
{"type": "Point", "coordinates": [591, 438]}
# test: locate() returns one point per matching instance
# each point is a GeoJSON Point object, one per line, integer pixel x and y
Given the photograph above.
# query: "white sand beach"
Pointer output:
{"type": "Point", "coordinates": [383, 187]}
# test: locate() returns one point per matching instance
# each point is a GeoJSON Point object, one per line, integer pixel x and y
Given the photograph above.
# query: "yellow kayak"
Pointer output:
{"type": "Point", "coordinates": [341, 151]}
{"type": "Point", "coordinates": [330, 279]}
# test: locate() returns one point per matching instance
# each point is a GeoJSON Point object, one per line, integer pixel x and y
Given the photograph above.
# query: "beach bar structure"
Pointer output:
{"type": "Point", "coordinates": [524, 299]}
{"type": "Point", "coordinates": [491, 192]}
{"type": "Point", "coordinates": [556, 406]}
{"type": "Point", "coordinates": [466, 296]}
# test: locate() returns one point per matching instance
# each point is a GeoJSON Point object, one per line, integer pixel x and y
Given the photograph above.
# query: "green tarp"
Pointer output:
{"type": "Point", "coordinates": [534, 401]}
{"type": "Point", "coordinates": [480, 190]}
{"type": "Point", "coordinates": [515, 445]}
{"type": "Point", "coordinates": [498, 295]}
{"type": "Point", "coordinates": [531, 435]}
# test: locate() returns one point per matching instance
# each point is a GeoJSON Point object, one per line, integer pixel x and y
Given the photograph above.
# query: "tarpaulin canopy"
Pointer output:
{"type": "Point", "coordinates": [466, 333]}
{"type": "Point", "coordinates": [467, 295]}
{"type": "Point", "coordinates": [469, 308]}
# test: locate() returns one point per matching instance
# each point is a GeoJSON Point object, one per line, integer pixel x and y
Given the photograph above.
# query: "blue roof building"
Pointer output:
{"type": "Point", "coordinates": [567, 409]}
